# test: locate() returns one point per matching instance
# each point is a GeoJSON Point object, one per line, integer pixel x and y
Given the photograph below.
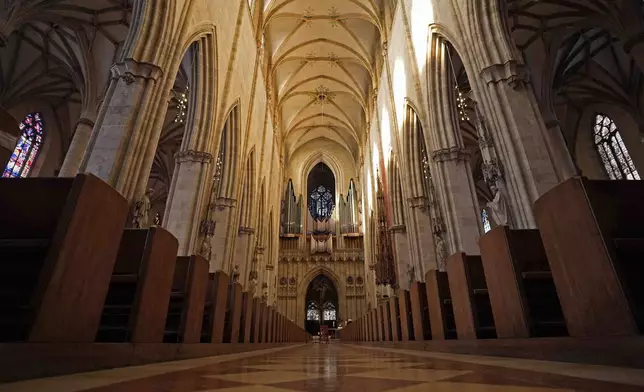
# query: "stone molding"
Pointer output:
{"type": "Point", "coordinates": [130, 70]}
{"type": "Point", "coordinates": [418, 202]}
{"type": "Point", "coordinates": [633, 41]}
{"type": "Point", "coordinates": [85, 121]}
{"type": "Point", "coordinates": [260, 250]}
{"type": "Point", "coordinates": [451, 154]}
{"type": "Point", "coordinates": [357, 257]}
{"type": "Point", "coordinates": [245, 230]}
{"type": "Point", "coordinates": [192, 156]}
{"type": "Point", "coordinates": [8, 141]}
{"type": "Point", "coordinates": [513, 73]}
{"type": "Point", "coordinates": [222, 203]}
{"type": "Point", "coordinates": [270, 267]}
{"type": "Point", "coordinates": [398, 229]}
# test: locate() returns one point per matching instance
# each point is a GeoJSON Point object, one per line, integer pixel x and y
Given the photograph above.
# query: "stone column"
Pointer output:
{"type": "Point", "coordinates": [528, 152]}
{"type": "Point", "coordinates": [421, 220]}
{"type": "Point", "coordinates": [127, 127]}
{"type": "Point", "coordinates": [77, 148]}
{"type": "Point", "coordinates": [403, 262]}
{"type": "Point", "coordinates": [186, 202]}
{"type": "Point", "coordinates": [453, 180]}
{"type": "Point", "coordinates": [243, 244]}
{"type": "Point", "coordinates": [222, 212]}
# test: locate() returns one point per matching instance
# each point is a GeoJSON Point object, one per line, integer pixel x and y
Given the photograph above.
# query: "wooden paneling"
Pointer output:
{"type": "Point", "coordinates": [151, 304]}
{"type": "Point", "coordinates": [460, 291]}
{"type": "Point", "coordinates": [196, 296]}
{"type": "Point", "coordinates": [64, 213]}
{"type": "Point", "coordinates": [591, 294]}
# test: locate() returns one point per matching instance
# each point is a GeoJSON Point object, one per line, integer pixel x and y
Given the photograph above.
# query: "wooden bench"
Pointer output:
{"type": "Point", "coordinates": [136, 305]}
{"type": "Point", "coordinates": [470, 298]}
{"type": "Point", "coordinates": [406, 319]}
{"type": "Point", "coordinates": [246, 323]}
{"type": "Point", "coordinates": [439, 306]}
{"type": "Point", "coordinates": [522, 291]}
{"type": "Point", "coordinates": [185, 310]}
{"type": "Point", "coordinates": [233, 313]}
{"type": "Point", "coordinates": [593, 235]}
{"type": "Point", "coordinates": [214, 316]}
{"type": "Point", "coordinates": [394, 312]}
{"type": "Point", "coordinates": [419, 311]}
{"type": "Point", "coordinates": [58, 242]}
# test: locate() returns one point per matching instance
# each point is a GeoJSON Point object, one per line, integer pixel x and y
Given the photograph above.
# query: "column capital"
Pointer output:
{"type": "Point", "coordinates": [246, 230]}
{"type": "Point", "coordinates": [130, 70]}
{"type": "Point", "coordinates": [192, 156]}
{"type": "Point", "coordinates": [513, 73]}
{"type": "Point", "coordinates": [451, 154]}
{"type": "Point", "coordinates": [398, 229]}
{"type": "Point", "coordinates": [418, 202]}
{"type": "Point", "coordinates": [222, 203]}
{"type": "Point", "coordinates": [85, 121]}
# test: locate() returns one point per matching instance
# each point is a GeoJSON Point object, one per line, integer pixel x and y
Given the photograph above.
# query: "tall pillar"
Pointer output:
{"type": "Point", "coordinates": [128, 128]}
{"type": "Point", "coordinates": [241, 258]}
{"type": "Point", "coordinates": [186, 201]}
{"type": "Point", "coordinates": [453, 180]}
{"type": "Point", "coordinates": [529, 153]}
{"type": "Point", "coordinates": [77, 148]}
{"type": "Point", "coordinates": [222, 213]}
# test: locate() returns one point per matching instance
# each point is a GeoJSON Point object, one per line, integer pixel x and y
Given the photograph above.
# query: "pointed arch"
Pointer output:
{"type": "Point", "coordinates": [248, 195]}
{"type": "Point", "coordinates": [229, 152]}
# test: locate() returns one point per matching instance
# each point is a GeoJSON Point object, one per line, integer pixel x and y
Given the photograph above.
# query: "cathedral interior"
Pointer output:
{"type": "Point", "coordinates": [196, 192]}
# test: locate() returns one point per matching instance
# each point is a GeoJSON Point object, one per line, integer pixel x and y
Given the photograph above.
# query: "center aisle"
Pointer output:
{"type": "Point", "coordinates": [328, 368]}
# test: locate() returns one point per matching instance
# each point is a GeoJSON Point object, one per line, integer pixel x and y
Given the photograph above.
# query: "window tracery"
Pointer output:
{"type": "Point", "coordinates": [612, 151]}
{"type": "Point", "coordinates": [321, 203]}
{"type": "Point", "coordinates": [26, 151]}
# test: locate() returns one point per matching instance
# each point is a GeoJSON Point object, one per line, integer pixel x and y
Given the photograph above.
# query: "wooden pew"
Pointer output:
{"type": "Point", "coordinates": [137, 301]}
{"type": "Point", "coordinates": [522, 292]}
{"type": "Point", "coordinates": [394, 312]}
{"type": "Point", "coordinates": [439, 306]}
{"type": "Point", "coordinates": [419, 311]}
{"type": "Point", "coordinates": [246, 322]}
{"type": "Point", "coordinates": [59, 238]}
{"type": "Point", "coordinates": [406, 319]}
{"type": "Point", "coordinates": [233, 313]}
{"type": "Point", "coordinates": [215, 308]}
{"type": "Point", "coordinates": [470, 298]}
{"type": "Point", "coordinates": [257, 320]}
{"type": "Point", "coordinates": [185, 310]}
{"type": "Point", "coordinates": [593, 235]}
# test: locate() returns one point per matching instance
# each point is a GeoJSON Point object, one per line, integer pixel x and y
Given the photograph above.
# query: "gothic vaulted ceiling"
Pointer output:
{"type": "Point", "coordinates": [322, 67]}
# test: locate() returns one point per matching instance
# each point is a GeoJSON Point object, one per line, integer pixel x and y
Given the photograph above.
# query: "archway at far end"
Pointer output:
{"type": "Point", "coordinates": [321, 305]}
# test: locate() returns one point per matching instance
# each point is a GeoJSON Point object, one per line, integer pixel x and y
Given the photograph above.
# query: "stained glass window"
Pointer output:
{"type": "Point", "coordinates": [312, 312]}
{"type": "Point", "coordinates": [486, 221]}
{"type": "Point", "coordinates": [26, 151]}
{"type": "Point", "coordinates": [321, 203]}
{"type": "Point", "coordinates": [614, 155]}
{"type": "Point", "coordinates": [329, 312]}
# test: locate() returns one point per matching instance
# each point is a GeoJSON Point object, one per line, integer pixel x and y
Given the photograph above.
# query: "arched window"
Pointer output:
{"type": "Point", "coordinates": [486, 221]}
{"type": "Point", "coordinates": [328, 312]}
{"type": "Point", "coordinates": [26, 151]}
{"type": "Point", "coordinates": [321, 203]}
{"type": "Point", "coordinates": [613, 152]}
{"type": "Point", "coordinates": [312, 312]}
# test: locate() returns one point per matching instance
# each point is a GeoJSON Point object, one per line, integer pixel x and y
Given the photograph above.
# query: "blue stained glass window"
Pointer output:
{"type": "Point", "coordinates": [321, 204]}
{"type": "Point", "coordinates": [26, 151]}
{"type": "Point", "coordinates": [486, 221]}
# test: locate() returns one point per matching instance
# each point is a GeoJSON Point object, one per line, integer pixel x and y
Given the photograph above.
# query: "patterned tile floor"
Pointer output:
{"type": "Point", "coordinates": [346, 368]}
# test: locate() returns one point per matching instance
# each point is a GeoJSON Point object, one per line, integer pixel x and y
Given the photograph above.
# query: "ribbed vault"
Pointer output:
{"type": "Point", "coordinates": [322, 67]}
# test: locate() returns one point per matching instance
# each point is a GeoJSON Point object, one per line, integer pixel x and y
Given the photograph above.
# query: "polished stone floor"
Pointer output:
{"type": "Point", "coordinates": [346, 368]}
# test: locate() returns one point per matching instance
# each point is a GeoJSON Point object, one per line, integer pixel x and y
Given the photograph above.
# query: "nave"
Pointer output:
{"type": "Point", "coordinates": [343, 368]}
